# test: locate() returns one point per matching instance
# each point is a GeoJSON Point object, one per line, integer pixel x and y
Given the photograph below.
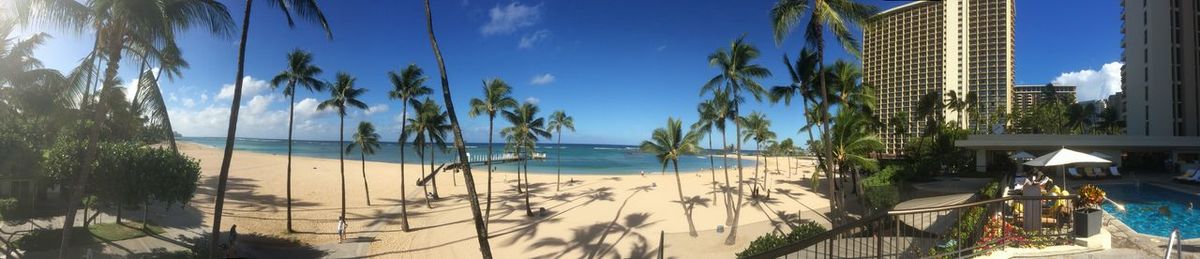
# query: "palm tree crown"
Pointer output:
{"type": "Point", "coordinates": [343, 95]}
{"type": "Point", "coordinates": [408, 85]}
{"type": "Point", "coordinates": [737, 74]}
{"type": "Point", "coordinates": [670, 143]}
{"type": "Point", "coordinates": [300, 71]}
{"type": "Point", "coordinates": [496, 97]}
{"type": "Point", "coordinates": [365, 139]}
{"type": "Point", "coordinates": [526, 127]}
{"type": "Point", "coordinates": [560, 120]}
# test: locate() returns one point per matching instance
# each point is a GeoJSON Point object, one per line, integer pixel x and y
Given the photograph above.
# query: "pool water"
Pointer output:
{"type": "Point", "coordinates": [1145, 205]}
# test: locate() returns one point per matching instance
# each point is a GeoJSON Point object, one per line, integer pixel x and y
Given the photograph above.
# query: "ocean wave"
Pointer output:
{"type": "Point", "coordinates": [605, 148]}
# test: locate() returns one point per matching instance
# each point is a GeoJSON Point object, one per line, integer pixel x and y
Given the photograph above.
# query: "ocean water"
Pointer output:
{"type": "Point", "coordinates": [576, 158]}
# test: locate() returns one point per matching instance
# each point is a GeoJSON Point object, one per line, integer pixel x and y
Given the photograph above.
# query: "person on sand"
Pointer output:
{"type": "Point", "coordinates": [341, 229]}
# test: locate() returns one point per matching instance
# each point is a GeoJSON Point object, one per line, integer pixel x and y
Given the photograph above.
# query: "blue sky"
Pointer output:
{"type": "Point", "coordinates": [620, 68]}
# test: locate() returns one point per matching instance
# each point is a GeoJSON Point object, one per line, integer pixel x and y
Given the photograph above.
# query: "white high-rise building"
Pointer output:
{"type": "Point", "coordinates": [1159, 80]}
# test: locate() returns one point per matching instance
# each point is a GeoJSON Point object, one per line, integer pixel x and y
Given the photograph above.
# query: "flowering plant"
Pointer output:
{"type": "Point", "coordinates": [1090, 196]}
{"type": "Point", "coordinates": [998, 232]}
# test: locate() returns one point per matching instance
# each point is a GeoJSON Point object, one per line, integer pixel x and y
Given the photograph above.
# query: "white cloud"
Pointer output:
{"type": "Point", "coordinates": [250, 87]}
{"type": "Point", "coordinates": [661, 48]}
{"type": "Point", "coordinates": [259, 103]}
{"type": "Point", "coordinates": [507, 19]}
{"type": "Point", "coordinates": [529, 40]}
{"type": "Point", "coordinates": [1091, 84]}
{"type": "Point", "coordinates": [533, 100]}
{"type": "Point", "coordinates": [307, 109]}
{"type": "Point", "coordinates": [376, 109]}
{"type": "Point", "coordinates": [256, 119]}
{"type": "Point", "coordinates": [189, 102]}
{"type": "Point", "coordinates": [542, 79]}
{"type": "Point", "coordinates": [204, 97]}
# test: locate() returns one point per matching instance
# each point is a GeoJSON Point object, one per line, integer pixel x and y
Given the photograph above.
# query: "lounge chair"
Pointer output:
{"type": "Point", "coordinates": [1074, 173]}
{"type": "Point", "coordinates": [1098, 172]}
{"type": "Point", "coordinates": [1114, 171]}
{"type": "Point", "coordinates": [1187, 176]}
{"type": "Point", "coordinates": [1091, 173]}
{"type": "Point", "coordinates": [1195, 176]}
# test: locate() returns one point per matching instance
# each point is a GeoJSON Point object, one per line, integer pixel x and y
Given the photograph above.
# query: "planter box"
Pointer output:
{"type": "Point", "coordinates": [1087, 222]}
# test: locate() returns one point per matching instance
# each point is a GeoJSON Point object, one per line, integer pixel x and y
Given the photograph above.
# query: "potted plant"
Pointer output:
{"type": "Point", "coordinates": [1087, 217]}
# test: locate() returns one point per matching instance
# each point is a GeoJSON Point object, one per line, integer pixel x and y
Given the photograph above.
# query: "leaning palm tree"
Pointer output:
{"type": "Point", "coordinates": [342, 95]}
{"type": "Point", "coordinates": [524, 133]}
{"type": "Point", "coordinates": [119, 26]}
{"type": "Point", "coordinates": [837, 16]}
{"type": "Point", "coordinates": [667, 145]}
{"type": "Point", "coordinates": [407, 86]}
{"type": "Point", "coordinates": [737, 75]}
{"type": "Point", "coordinates": [559, 120]}
{"type": "Point", "coordinates": [299, 72]}
{"type": "Point", "coordinates": [758, 129]}
{"type": "Point", "coordinates": [366, 142]}
{"type": "Point", "coordinates": [480, 227]}
{"type": "Point", "coordinates": [853, 142]}
{"type": "Point", "coordinates": [496, 97]}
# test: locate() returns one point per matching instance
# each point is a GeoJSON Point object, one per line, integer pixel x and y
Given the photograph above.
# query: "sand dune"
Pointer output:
{"type": "Point", "coordinates": [606, 215]}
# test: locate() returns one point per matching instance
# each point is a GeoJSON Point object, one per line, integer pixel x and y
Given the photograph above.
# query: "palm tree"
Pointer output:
{"type": "Point", "coordinates": [342, 95]}
{"type": "Point", "coordinates": [667, 145]}
{"type": "Point", "coordinates": [427, 127]}
{"type": "Point", "coordinates": [559, 120]}
{"type": "Point", "coordinates": [118, 26]}
{"type": "Point", "coordinates": [803, 74]}
{"type": "Point", "coordinates": [837, 16]}
{"type": "Point", "coordinates": [299, 72]}
{"type": "Point", "coordinates": [758, 129]}
{"type": "Point", "coordinates": [704, 125]}
{"type": "Point", "coordinates": [523, 134]}
{"type": "Point", "coordinates": [737, 75]}
{"type": "Point", "coordinates": [407, 86]}
{"type": "Point", "coordinates": [435, 126]}
{"type": "Point", "coordinates": [480, 226]}
{"type": "Point", "coordinates": [496, 97]}
{"type": "Point", "coordinates": [366, 141]}
{"type": "Point", "coordinates": [853, 142]}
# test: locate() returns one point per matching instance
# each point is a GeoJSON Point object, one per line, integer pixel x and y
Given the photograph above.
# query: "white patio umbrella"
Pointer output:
{"type": "Point", "coordinates": [1065, 157]}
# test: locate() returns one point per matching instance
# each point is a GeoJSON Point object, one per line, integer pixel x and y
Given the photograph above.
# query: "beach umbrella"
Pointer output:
{"type": "Point", "coordinates": [1064, 157]}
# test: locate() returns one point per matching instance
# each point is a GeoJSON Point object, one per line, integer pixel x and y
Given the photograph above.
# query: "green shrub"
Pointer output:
{"type": "Point", "coordinates": [771, 240]}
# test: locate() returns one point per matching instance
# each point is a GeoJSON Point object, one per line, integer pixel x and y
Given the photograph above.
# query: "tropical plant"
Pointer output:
{"type": "Point", "coordinates": [837, 16]}
{"type": "Point", "coordinates": [803, 75]}
{"type": "Point", "coordinates": [299, 72]}
{"type": "Point", "coordinates": [342, 95]}
{"type": "Point", "coordinates": [480, 227]}
{"type": "Point", "coordinates": [667, 145]}
{"type": "Point", "coordinates": [771, 240]}
{"type": "Point", "coordinates": [737, 75]}
{"type": "Point", "coordinates": [524, 133]}
{"type": "Point", "coordinates": [707, 111]}
{"type": "Point", "coordinates": [559, 120]}
{"type": "Point", "coordinates": [428, 126]}
{"type": "Point", "coordinates": [366, 142]}
{"type": "Point", "coordinates": [1090, 196]}
{"type": "Point", "coordinates": [407, 86]}
{"type": "Point", "coordinates": [758, 129]}
{"type": "Point", "coordinates": [119, 25]}
{"type": "Point", "coordinates": [304, 9]}
{"type": "Point", "coordinates": [496, 97]}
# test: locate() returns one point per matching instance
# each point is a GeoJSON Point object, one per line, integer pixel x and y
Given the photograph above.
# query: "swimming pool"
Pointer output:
{"type": "Point", "coordinates": [1144, 209]}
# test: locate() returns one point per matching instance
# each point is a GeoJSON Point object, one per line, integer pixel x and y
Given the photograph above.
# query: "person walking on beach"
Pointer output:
{"type": "Point", "coordinates": [233, 240]}
{"type": "Point", "coordinates": [341, 229]}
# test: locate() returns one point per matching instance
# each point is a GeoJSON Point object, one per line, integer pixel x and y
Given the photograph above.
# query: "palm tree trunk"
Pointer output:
{"type": "Point", "coordinates": [737, 207]}
{"type": "Point", "coordinates": [528, 205]}
{"type": "Point", "coordinates": [725, 164]}
{"type": "Point", "coordinates": [687, 210]}
{"type": "Point", "coordinates": [342, 159]}
{"type": "Point", "coordinates": [712, 165]}
{"type": "Point", "coordinates": [367, 189]}
{"type": "Point", "coordinates": [487, 215]}
{"type": "Point", "coordinates": [480, 228]}
{"type": "Point", "coordinates": [291, 119]}
{"type": "Point", "coordinates": [558, 182]}
{"type": "Point", "coordinates": [432, 173]}
{"type": "Point", "coordinates": [229, 137]}
{"type": "Point", "coordinates": [834, 202]}
{"type": "Point", "coordinates": [89, 153]}
{"type": "Point", "coordinates": [403, 193]}
{"type": "Point", "coordinates": [754, 190]}
{"type": "Point", "coordinates": [519, 183]}
{"type": "Point", "coordinates": [424, 187]}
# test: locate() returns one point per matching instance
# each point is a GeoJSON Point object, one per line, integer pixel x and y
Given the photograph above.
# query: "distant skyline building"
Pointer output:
{"type": "Point", "coordinates": [1025, 97]}
{"type": "Point", "coordinates": [936, 47]}
{"type": "Point", "coordinates": [1159, 80]}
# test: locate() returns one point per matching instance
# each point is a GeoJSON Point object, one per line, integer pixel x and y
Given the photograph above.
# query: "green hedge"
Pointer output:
{"type": "Point", "coordinates": [771, 240]}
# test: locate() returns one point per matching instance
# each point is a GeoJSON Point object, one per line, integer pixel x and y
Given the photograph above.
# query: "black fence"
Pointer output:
{"type": "Point", "coordinates": [955, 231]}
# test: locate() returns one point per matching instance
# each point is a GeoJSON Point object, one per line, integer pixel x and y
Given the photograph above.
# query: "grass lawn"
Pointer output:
{"type": "Point", "coordinates": [96, 233]}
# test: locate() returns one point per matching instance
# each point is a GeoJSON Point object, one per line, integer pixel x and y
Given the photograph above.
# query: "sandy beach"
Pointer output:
{"type": "Point", "coordinates": [608, 216]}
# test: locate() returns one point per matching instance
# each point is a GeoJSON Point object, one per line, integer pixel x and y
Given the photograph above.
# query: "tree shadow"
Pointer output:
{"type": "Point", "coordinates": [242, 195]}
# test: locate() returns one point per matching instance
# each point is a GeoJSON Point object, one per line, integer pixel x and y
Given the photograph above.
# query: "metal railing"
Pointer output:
{"type": "Point", "coordinates": [954, 231]}
{"type": "Point", "coordinates": [1174, 246]}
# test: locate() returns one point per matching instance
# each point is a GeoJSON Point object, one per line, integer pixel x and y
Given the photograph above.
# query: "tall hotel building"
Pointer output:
{"type": "Point", "coordinates": [1159, 80]}
{"type": "Point", "coordinates": [939, 46]}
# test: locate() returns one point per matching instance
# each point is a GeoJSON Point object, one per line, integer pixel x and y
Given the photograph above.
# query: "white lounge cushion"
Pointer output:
{"type": "Point", "coordinates": [1074, 172]}
{"type": "Point", "coordinates": [1114, 171]}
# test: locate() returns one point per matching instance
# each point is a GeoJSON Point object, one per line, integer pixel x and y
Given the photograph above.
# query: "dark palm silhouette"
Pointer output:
{"type": "Point", "coordinates": [559, 120]}
{"type": "Point", "coordinates": [342, 95]}
{"type": "Point", "coordinates": [407, 86]}
{"type": "Point", "coordinates": [366, 142]}
{"type": "Point", "coordinates": [480, 227]}
{"type": "Point", "coordinates": [427, 127]}
{"type": "Point", "coordinates": [299, 72]}
{"type": "Point", "coordinates": [496, 98]}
